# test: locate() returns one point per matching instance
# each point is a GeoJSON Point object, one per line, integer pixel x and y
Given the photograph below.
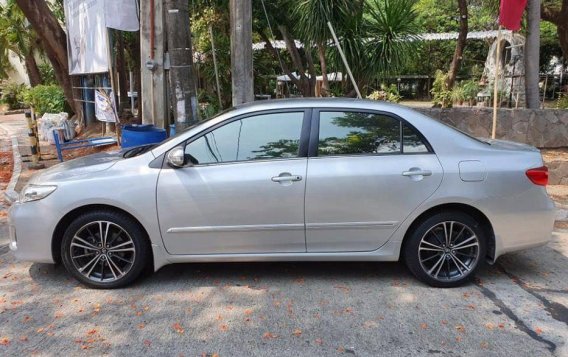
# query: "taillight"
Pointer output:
{"type": "Point", "coordinates": [538, 176]}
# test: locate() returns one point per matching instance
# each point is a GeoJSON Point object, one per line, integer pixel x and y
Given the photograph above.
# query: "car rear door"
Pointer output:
{"type": "Point", "coordinates": [367, 171]}
{"type": "Point", "coordinates": [245, 192]}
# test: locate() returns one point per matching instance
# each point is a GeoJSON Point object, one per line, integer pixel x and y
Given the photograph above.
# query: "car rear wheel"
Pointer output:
{"type": "Point", "coordinates": [446, 250]}
{"type": "Point", "coordinates": [104, 249]}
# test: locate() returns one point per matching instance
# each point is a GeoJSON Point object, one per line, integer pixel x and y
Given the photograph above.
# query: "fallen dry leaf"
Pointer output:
{"type": "Point", "coordinates": [460, 328]}
{"type": "Point", "coordinates": [297, 332]}
{"type": "Point", "coordinates": [141, 325]}
{"type": "Point", "coordinates": [92, 332]}
{"type": "Point", "coordinates": [424, 326]}
{"type": "Point", "coordinates": [538, 330]}
{"type": "Point", "coordinates": [4, 341]}
{"type": "Point", "coordinates": [178, 328]}
{"type": "Point", "coordinates": [343, 288]}
{"type": "Point", "coordinates": [269, 336]}
{"type": "Point", "coordinates": [489, 326]}
{"type": "Point", "coordinates": [23, 338]}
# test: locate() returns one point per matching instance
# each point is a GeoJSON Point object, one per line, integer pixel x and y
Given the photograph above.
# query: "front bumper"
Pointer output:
{"type": "Point", "coordinates": [31, 227]}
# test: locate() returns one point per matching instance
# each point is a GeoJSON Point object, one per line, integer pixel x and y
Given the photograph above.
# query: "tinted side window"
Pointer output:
{"type": "Point", "coordinates": [358, 133]}
{"type": "Point", "coordinates": [412, 142]}
{"type": "Point", "coordinates": [266, 136]}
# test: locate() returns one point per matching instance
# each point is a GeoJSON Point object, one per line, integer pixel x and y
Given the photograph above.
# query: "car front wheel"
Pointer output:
{"type": "Point", "coordinates": [446, 250]}
{"type": "Point", "coordinates": [104, 249]}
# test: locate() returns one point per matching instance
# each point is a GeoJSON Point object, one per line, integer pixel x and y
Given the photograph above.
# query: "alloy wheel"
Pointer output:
{"type": "Point", "coordinates": [102, 251]}
{"type": "Point", "coordinates": [449, 251]}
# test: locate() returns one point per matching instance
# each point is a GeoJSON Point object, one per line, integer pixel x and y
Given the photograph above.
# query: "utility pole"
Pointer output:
{"type": "Point", "coordinates": [532, 51]}
{"type": "Point", "coordinates": [241, 51]}
{"type": "Point", "coordinates": [153, 83]}
{"type": "Point", "coordinates": [183, 93]}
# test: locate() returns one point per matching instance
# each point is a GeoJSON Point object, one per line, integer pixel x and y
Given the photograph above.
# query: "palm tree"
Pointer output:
{"type": "Point", "coordinates": [313, 16]}
{"type": "Point", "coordinates": [392, 28]}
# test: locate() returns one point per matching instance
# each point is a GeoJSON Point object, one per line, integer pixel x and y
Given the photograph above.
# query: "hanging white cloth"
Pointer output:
{"type": "Point", "coordinates": [122, 15]}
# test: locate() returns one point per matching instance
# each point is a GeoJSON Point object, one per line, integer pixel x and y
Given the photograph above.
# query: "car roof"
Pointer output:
{"type": "Point", "coordinates": [318, 103]}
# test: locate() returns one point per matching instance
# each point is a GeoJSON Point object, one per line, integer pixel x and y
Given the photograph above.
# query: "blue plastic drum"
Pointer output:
{"type": "Point", "coordinates": [136, 135]}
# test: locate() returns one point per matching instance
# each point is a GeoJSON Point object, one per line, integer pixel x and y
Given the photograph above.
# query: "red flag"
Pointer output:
{"type": "Point", "coordinates": [510, 13]}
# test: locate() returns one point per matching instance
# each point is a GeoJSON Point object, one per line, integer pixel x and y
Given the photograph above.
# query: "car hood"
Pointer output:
{"type": "Point", "coordinates": [79, 167]}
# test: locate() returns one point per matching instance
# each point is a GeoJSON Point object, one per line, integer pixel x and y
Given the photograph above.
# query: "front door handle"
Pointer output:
{"type": "Point", "coordinates": [417, 172]}
{"type": "Point", "coordinates": [286, 177]}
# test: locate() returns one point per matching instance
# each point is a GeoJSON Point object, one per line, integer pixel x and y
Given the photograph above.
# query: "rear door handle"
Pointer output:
{"type": "Point", "coordinates": [286, 178]}
{"type": "Point", "coordinates": [417, 173]}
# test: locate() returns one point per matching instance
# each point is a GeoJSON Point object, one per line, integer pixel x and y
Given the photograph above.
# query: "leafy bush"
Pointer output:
{"type": "Point", "coordinates": [562, 102]}
{"type": "Point", "coordinates": [470, 90]}
{"type": "Point", "coordinates": [457, 95]}
{"type": "Point", "coordinates": [47, 74]}
{"type": "Point", "coordinates": [386, 93]}
{"type": "Point", "coordinates": [45, 99]}
{"type": "Point", "coordinates": [442, 96]}
{"type": "Point", "coordinates": [13, 95]}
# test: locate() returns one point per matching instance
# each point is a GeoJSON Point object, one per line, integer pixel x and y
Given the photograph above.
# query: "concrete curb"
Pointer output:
{"type": "Point", "coordinates": [10, 193]}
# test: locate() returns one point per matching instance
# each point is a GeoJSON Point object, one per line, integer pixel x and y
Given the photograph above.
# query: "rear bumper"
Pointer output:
{"type": "Point", "coordinates": [524, 226]}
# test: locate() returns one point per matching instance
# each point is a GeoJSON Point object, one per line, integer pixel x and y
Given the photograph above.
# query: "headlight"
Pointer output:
{"type": "Point", "coordinates": [35, 192]}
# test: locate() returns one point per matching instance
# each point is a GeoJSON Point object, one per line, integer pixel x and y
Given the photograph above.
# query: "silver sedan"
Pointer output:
{"type": "Point", "coordinates": [293, 180]}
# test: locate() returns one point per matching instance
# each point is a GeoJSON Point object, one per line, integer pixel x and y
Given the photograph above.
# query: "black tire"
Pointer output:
{"type": "Point", "coordinates": [124, 231]}
{"type": "Point", "coordinates": [420, 252]}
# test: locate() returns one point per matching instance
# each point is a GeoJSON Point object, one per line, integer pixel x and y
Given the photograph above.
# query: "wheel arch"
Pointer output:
{"type": "Point", "coordinates": [475, 213]}
{"type": "Point", "coordinates": [64, 222]}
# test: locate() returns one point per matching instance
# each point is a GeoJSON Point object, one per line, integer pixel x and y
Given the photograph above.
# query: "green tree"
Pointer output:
{"type": "Point", "coordinates": [18, 36]}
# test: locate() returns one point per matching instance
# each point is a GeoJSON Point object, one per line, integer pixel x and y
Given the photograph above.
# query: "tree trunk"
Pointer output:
{"type": "Point", "coordinates": [532, 48]}
{"type": "Point", "coordinates": [323, 65]}
{"type": "Point", "coordinates": [562, 30]}
{"type": "Point", "coordinates": [460, 45]}
{"type": "Point", "coordinates": [54, 43]}
{"type": "Point", "coordinates": [276, 55]}
{"type": "Point", "coordinates": [307, 89]}
{"type": "Point", "coordinates": [32, 69]}
{"type": "Point", "coordinates": [558, 17]}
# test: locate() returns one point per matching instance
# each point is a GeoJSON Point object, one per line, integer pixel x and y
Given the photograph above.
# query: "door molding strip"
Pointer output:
{"type": "Point", "coordinates": [241, 228]}
{"type": "Point", "coordinates": [351, 225]}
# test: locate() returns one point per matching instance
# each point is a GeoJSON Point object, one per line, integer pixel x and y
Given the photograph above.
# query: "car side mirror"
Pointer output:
{"type": "Point", "coordinates": [176, 157]}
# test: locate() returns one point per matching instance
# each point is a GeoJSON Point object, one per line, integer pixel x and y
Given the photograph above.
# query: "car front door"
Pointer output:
{"type": "Point", "coordinates": [244, 192]}
{"type": "Point", "coordinates": [367, 172]}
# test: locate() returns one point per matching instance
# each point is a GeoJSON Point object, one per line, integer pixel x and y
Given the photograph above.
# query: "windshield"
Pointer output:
{"type": "Point", "coordinates": [466, 134]}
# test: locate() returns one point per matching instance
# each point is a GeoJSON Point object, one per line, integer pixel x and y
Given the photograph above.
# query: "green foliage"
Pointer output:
{"type": "Point", "coordinates": [45, 99]}
{"type": "Point", "coordinates": [13, 95]}
{"type": "Point", "coordinates": [457, 95]}
{"type": "Point", "coordinates": [390, 25]}
{"type": "Point", "coordinates": [386, 93]}
{"type": "Point", "coordinates": [47, 74]}
{"type": "Point", "coordinates": [442, 95]}
{"type": "Point", "coordinates": [562, 102]}
{"type": "Point", "coordinates": [470, 89]}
